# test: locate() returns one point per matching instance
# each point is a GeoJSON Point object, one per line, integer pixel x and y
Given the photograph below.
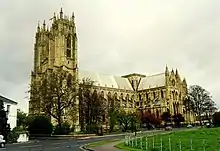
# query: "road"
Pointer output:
{"type": "Point", "coordinates": [59, 145]}
{"type": "Point", "coordinates": [55, 145]}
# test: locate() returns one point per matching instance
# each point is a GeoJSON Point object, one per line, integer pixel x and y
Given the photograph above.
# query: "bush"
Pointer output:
{"type": "Point", "coordinates": [65, 129]}
{"type": "Point", "coordinates": [216, 119]}
{"type": "Point", "coordinates": [40, 125]}
{"type": "Point", "coordinates": [13, 135]}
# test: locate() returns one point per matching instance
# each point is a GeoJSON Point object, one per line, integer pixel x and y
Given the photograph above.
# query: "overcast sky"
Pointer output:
{"type": "Point", "coordinates": [117, 37]}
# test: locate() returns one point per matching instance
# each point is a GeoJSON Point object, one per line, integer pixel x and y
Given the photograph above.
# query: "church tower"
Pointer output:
{"type": "Point", "coordinates": [55, 47]}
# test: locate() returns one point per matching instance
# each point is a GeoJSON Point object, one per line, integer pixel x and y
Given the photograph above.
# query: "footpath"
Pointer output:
{"type": "Point", "coordinates": [107, 147]}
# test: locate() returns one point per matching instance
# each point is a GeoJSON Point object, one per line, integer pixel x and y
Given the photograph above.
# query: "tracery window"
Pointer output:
{"type": "Point", "coordinates": [162, 95]}
{"type": "Point", "coordinates": [68, 46]}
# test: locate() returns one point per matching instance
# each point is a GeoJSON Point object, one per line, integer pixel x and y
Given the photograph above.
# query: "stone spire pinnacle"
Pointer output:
{"type": "Point", "coordinates": [184, 81]}
{"type": "Point", "coordinates": [177, 72]}
{"type": "Point", "coordinates": [38, 26]}
{"type": "Point", "coordinates": [73, 16]}
{"type": "Point", "coordinates": [61, 13]}
{"type": "Point", "coordinates": [166, 71]}
{"type": "Point", "coordinates": [44, 25]}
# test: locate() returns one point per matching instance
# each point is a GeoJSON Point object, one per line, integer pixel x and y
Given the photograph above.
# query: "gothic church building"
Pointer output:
{"type": "Point", "coordinates": [56, 47]}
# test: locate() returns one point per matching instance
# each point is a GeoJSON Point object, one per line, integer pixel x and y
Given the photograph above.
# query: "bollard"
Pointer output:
{"type": "Point", "coordinates": [132, 142]}
{"type": "Point", "coordinates": [146, 144]}
{"type": "Point", "coordinates": [153, 141]}
{"type": "Point", "coordinates": [203, 142]}
{"type": "Point", "coordinates": [218, 146]}
{"type": "Point", "coordinates": [191, 147]}
{"type": "Point", "coordinates": [161, 144]}
{"type": "Point", "coordinates": [136, 141]}
{"type": "Point", "coordinates": [170, 144]}
{"type": "Point", "coordinates": [180, 144]}
{"type": "Point", "coordinates": [141, 143]}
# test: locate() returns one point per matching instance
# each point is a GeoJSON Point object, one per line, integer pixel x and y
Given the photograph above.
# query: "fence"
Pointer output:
{"type": "Point", "coordinates": [153, 142]}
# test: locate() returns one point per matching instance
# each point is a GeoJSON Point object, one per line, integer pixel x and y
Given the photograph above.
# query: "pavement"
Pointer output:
{"type": "Point", "coordinates": [107, 147]}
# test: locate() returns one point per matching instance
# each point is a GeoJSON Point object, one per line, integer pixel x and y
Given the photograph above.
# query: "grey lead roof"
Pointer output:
{"type": "Point", "coordinates": [152, 81]}
{"type": "Point", "coordinates": [118, 82]}
{"type": "Point", "coordinates": [105, 80]}
{"type": "Point", "coordinates": [6, 100]}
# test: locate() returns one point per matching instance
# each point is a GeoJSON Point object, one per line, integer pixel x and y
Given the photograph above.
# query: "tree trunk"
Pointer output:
{"type": "Point", "coordinates": [59, 125]}
{"type": "Point", "coordinates": [200, 120]}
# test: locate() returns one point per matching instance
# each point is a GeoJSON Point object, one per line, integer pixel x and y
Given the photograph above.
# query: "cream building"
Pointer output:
{"type": "Point", "coordinates": [57, 47]}
{"type": "Point", "coordinates": [10, 107]}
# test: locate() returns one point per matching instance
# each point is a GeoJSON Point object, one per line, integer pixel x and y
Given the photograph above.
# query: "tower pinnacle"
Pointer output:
{"type": "Point", "coordinates": [73, 16]}
{"type": "Point", "coordinates": [167, 71]}
{"type": "Point", "coordinates": [44, 25]}
{"type": "Point", "coordinates": [38, 26]}
{"type": "Point", "coordinates": [61, 13]}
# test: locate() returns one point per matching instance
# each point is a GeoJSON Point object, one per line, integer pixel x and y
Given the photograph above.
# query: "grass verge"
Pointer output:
{"type": "Point", "coordinates": [201, 139]}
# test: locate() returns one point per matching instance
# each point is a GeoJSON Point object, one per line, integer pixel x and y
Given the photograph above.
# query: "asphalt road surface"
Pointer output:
{"type": "Point", "coordinates": [58, 145]}
{"type": "Point", "coordinates": [54, 145]}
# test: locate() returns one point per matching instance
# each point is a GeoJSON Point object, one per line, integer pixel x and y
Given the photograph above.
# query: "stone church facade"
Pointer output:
{"type": "Point", "coordinates": [56, 47]}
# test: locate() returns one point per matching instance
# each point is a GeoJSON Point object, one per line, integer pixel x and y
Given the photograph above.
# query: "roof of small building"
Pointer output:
{"type": "Point", "coordinates": [7, 100]}
{"type": "Point", "coordinates": [105, 80]}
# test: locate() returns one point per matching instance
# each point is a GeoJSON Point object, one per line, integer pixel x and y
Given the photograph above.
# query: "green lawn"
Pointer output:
{"type": "Point", "coordinates": [201, 138]}
{"type": "Point", "coordinates": [99, 143]}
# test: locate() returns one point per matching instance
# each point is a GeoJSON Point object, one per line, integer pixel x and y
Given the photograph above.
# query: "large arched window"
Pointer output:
{"type": "Point", "coordinates": [146, 96]}
{"type": "Point", "coordinates": [154, 93]}
{"type": "Point", "coordinates": [68, 46]}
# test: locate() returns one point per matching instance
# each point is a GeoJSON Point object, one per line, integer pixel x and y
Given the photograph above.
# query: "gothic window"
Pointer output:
{"type": "Point", "coordinates": [68, 46]}
{"type": "Point", "coordinates": [173, 82]}
{"type": "Point", "coordinates": [139, 97]}
{"type": "Point", "coordinates": [102, 94]}
{"type": "Point", "coordinates": [137, 104]}
{"type": "Point", "coordinates": [146, 96]}
{"type": "Point", "coordinates": [162, 94]}
{"type": "Point", "coordinates": [154, 93]}
{"type": "Point", "coordinates": [157, 113]}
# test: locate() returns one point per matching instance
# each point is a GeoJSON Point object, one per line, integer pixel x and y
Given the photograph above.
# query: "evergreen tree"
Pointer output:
{"type": "Point", "coordinates": [3, 121]}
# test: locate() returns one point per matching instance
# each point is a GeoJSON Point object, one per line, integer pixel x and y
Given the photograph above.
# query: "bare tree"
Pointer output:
{"type": "Point", "coordinates": [201, 100]}
{"type": "Point", "coordinates": [56, 94]}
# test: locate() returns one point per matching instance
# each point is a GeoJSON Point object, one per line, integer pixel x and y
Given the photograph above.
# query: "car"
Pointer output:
{"type": "Point", "coordinates": [168, 128]}
{"type": "Point", "coordinates": [2, 141]}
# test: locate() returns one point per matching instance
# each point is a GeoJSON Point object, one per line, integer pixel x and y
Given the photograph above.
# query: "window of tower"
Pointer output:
{"type": "Point", "coordinates": [68, 46]}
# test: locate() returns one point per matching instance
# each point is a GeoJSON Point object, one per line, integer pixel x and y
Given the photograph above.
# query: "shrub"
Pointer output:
{"type": "Point", "coordinates": [216, 119]}
{"type": "Point", "coordinates": [13, 135]}
{"type": "Point", "coordinates": [65, 129]}
{"type": "Point", "coordinates": [40, 125]}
